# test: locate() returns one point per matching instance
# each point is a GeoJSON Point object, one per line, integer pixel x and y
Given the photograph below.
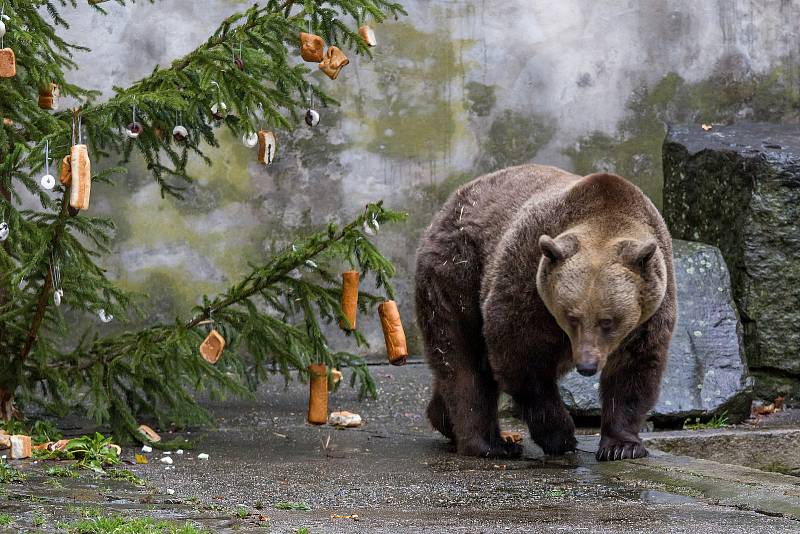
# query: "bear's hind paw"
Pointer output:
{"type": "Point", "coordinates": [624, 450]}
{"type": "Point", "coordinates": [498, 449]}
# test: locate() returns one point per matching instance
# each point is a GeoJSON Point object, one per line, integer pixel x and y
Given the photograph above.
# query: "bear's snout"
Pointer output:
{"type": "Point", "coordinates": [587, 361]}
{"type": "Point", "coordinates": [587, 368]}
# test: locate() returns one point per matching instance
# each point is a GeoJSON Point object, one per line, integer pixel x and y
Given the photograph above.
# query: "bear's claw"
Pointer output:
{"type": "Point", "coordinates": [498, 449]}
{"type": "Point", "coordinates": [626, 450]}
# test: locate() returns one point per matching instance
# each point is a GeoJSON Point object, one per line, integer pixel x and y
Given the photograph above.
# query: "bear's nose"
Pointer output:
{"type": "Point", "coordinates": [587, 368]}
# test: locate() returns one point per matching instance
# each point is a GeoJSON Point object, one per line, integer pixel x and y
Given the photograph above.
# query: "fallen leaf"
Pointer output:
{"type": "Point", "coordinates": [706, 127]}
{"type": "Point", "coordinates": [141, 459]}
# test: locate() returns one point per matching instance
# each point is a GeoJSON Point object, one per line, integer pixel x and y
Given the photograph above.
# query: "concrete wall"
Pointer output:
{"type": "Point", "coordinates": [457, 88]}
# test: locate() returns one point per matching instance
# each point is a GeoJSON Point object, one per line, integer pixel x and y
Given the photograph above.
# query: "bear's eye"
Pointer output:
{"type": "Point", "coordinates": [606, 324]}
{"type": "Point", "coordinates": [573, 320]}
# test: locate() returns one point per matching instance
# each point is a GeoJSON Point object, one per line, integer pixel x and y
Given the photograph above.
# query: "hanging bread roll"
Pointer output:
{"type": "Point", "coordinates": [393, 333]}
{"type": "Point", "coordinates": [312, 47]}
{"type": "Point", "coordinates": [267, 145]}
{"type": "Point", "coordinates": [66, 171]}
{"type": "Point", "coordinates": [81, 177]}
{"type": "Point", "coordinates": [318, 394]}
{"type": "Point", "coordinates": [212, 347]}
{"type": "Point", "coordinates": [334, 62]}
{"type": "Point", "coordinates": [349, 300]}
{"type": "Point", "coordinates": [8, 63]}
{"type": "Point", "coordinates": [368, 34]}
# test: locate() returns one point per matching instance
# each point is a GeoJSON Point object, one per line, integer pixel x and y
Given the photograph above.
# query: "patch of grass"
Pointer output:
{"type": "Point", "coordinates": [40, 431]}
{"type": "Point", "coordinates": [54, 483]}
{"type": "Point", "coordinates": [718, 421]}
{"type": "Point", "coordinates": [302, 530]}
{"type": "Point", "coordinates": [122, 525]}
{"type": "Point", "coordinates": [8, 474]}
{"type": "Point", "coordinates": [556, 493]}
{"type": "Point", "coordinates": [38, 520]}
{"type": "Point", "coordinates": [91, 452]}
{"type": "Point", "coordinates": [242, 513]}
{"type": "Point", "coordinates": [5, 520]}
{"type": "Point", "coordinates": [124, 474]}
{"type": "Point", "coordinates": [292, 506]}
{"type": "Point", "coordinates": [61, 472]}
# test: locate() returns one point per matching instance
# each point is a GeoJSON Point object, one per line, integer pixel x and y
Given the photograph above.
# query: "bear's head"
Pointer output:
{"type": "Point", "coordinates": [599, 290]}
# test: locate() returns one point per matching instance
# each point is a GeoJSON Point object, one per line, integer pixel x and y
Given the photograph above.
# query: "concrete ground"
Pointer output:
{"type": "Point", "coordinates": [397, 475]}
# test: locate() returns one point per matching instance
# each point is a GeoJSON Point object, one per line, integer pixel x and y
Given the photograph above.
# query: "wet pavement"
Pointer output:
{"type": "Point", "coordinates": [397, 475]}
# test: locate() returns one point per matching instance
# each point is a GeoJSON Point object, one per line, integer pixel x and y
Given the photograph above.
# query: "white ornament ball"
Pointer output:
{"type": "Point", "coordinates": [4, 231]}
{"type": "Point", "coordinates": [180, 133]}
{"type": "Point", "coordinates": [2, 28]}
{"type": "Point", "coordinates": [48, 182]}
{"type": "Point", "coordinates": [105, 317]}
{"type": "Point", "coordinates": [312, 117]}
{"type": "Point", "coordinates": [133, 130]}
{"type": "Point", "coordinates": [219, 110]}
{"type": "Point", "coordinates": [57, 296]}
{"type": "Point", "coordinates": [250, 140]}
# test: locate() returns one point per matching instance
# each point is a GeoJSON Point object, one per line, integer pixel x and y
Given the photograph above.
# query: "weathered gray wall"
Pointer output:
{"type": "Point", "coordinates": [457, 88]}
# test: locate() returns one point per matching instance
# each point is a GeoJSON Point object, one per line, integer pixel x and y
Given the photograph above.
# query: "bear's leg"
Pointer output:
{"type": "Point", "coordinates": [437, 413]}
{"type": "Point", "coordinates": [628, 388]}
{"type": "Point", "coordinates": [548, 420]}
{"type": "Point", "coordinates": [470, 399]}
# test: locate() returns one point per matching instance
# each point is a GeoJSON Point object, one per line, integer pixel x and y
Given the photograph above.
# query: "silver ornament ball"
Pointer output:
{"type": "Point", "coordinates": [133, 130]}
{"type": "Point", "coordinates": [57, 296]}
{"type": "Point", "coordinates": [4, 231]}
{"type": "Point", "coordinates": [2, 28]}
{"type": "Point", "coordinates": [48, 182]}
{"type": "Point", "coordinates": [312, 117]}
{"type": "Point", "coordinates": [219, 110]}
{"type": "Point", "coordinates": [105, 317]}
{"type": "Point", "coordinates": [250, 140]}
{"type": "Point", "coordinates": [180, 133]}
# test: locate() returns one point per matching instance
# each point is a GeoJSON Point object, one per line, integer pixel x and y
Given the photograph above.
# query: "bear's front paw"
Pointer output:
{"type": "Point", "coordinates": [611, 450]}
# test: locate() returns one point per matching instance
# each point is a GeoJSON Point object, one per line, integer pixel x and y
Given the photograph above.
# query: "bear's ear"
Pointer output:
{"type": "Point", "coordinates": [637, 253]}
{"type": "Point", "coordinates": [557, 249]}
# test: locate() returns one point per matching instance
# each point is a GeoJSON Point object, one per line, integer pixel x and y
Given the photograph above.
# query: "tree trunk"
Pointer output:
{"type": "Point", "coordinates": [7, 409]}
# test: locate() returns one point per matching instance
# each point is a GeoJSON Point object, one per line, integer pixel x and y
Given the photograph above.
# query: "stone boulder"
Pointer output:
{"type": "Point", "coordinates": [738, 187]}
{"type": "Point", "coordinates": [706, 372]}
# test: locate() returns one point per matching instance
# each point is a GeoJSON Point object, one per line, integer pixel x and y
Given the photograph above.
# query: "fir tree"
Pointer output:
{"type": "Point", "coordinates": [270, 319]}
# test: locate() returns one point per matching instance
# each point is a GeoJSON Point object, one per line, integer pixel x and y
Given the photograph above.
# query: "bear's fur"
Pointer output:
{"type": "Point", "coordinates": [528, 272]}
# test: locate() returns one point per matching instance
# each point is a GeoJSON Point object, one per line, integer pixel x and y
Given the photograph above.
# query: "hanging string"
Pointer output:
{"type": "Point", "coordinates": [47, 156]}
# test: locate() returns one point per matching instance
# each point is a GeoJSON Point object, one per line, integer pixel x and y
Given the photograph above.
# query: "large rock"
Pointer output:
{"type": "Point", "coordinates": [738, 187]}
{"type": "Point", "coordinates": [706, 372]}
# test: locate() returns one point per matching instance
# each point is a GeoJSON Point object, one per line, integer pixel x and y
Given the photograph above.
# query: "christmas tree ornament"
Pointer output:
{"type": "Point", "coordinates": [180, 133]}
{"type": "Point", "coordinates": [318, 394]}
{"type": "Point", "coordinates": [312, 47]}
{"type": "Point", "coordinates": [65, 177]}
{"type": "Point", "coordinates": [48, 181]}
{"type": "Point", "coordinates": [371, 226]}
{"type": "Point", "coordinates": [219, 111]}
{"type": "Point", "coordinates": [212, 347]}
{"type": "Point", "coordinates": [49, 96]}
{"type": "Point", "coordinates": [393, 333]}
{"type": "Point", "coordinates": [58, 294]}
{"type": "Point", "coordinates": [134, 129]}
{"type": "Point", "coordinates": [335, 60]}
{"type": "Point", "coordinates": [312, 117]}
{"type": "Point", "coordinates": [4, 231]}
{"type": "Point", "coordinates": [250, 139]}
{"type": "Point", "coordinates": [368, 34]}
{"type": "Point", "coordinates": [349, 300]}
{"type": "Point", "coordinates": [81, 170]}
{"type": "Point", "coordinates": [267, 145]}
{"type": "Point", "coordinates": [238, 61]}
{"type": "Point", "coordinates": [55, 276]}
{"type": "Point", "coordinates": [105, 317]}
{"type": "Point", "coordinates": [2, 28]}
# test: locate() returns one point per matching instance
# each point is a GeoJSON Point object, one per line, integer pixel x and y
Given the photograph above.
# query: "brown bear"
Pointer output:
{"type": "Point", "coordinates": [528, 272]}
